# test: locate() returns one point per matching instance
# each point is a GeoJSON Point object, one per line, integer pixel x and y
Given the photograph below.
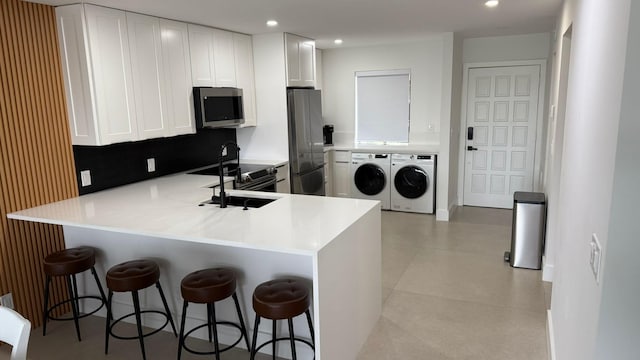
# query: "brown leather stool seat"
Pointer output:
{"type": "Point", "coordinates": [132, 276]}
{"type": "Point", "coordinates": [68, 263]}
{"type": "Point", "coordinates": [278, 300]}
{"type": "Point", "coordinates": [208, 287]}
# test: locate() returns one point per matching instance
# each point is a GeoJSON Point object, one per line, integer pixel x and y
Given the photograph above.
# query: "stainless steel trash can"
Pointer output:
{"type": "Point", "coordinates": [527, 231]}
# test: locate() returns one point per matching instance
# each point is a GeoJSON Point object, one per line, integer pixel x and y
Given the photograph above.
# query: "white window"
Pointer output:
{"type": "Point", "coordinates": [382, 106]}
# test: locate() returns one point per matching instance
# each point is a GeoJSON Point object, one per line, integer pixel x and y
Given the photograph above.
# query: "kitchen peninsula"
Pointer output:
{"type": "Point", "coordinates": [334, 243]}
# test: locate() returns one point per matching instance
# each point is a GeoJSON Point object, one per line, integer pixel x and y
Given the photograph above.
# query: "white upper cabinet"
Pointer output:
{"type": "Point", "coordinates": [212, 57]}
{"type": "Point", "coordinates": [97, 71]}
{"type": "Point", "coordinates": [148, 69]}
{"type": "Point", "coordinates": [203, 72]}
{"type": "Point", "coordinates": [224, 58]}
{"type": "Point", "coordinates": [177, 77]}
{"type": "Point", "coordinates": [301, 61]}
{"type": "Point", "coordinates": [243, 50]}
{"type": "Point", "coordinates": [127, 76]}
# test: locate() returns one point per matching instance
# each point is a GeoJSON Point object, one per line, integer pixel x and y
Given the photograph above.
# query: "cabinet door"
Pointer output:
{"type": "Point", "coordinates": [76, 75]}
{"type": "Point", "coordinates": [282, 176]}
{"type": "Point", "coordinates": [243, 48]}
{"type": "Point", "coordinates": [300, 58]}
{"type": "Point", "coordinates": [341, 173]}
{"type": "Point", "coordinates": [307, 51]}
{"type": "Point", "coordinates": [177, 77]}
{"type": "Point", "coordinates": [114, 101]}
{"type": "Point", "coordinates": [147, 69]}
{"type": "Point", "coordinates": [224, 58]}
{"type": "Point", "coordinates": [202, 61]}
{"type": "Point", "coordinates": [328, 173]}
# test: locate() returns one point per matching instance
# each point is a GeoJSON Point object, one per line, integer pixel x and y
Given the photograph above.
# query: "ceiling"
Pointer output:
{"type": "Point", "coordinates": [357, 22]}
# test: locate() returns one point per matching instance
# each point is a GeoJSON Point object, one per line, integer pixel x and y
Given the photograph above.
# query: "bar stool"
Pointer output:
{"type": "Point", "coordinates": [68, 263]}
{"type": "Point", "coordinates": [132, 276]}
{"type": "Point", "coordinates": [208, 287]}
{"type": "Point", "coordinates": [278, 300]}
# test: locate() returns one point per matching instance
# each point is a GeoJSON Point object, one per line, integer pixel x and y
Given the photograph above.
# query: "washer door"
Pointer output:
{"type": "Point", "coordinates": [370, 179]}
{"type": "Point", "coordinates": [411, 182]}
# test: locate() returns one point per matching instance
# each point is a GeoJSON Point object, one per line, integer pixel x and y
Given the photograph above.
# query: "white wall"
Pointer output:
{"type": "Point", "coordinates": [598, 44]}
{"type": "Point", "coordinates": [424, 58]}
{"type": "Point", "coordinates": [619, 323]}
{"type": "Point", "coordinates": [506, 48]}
{"type": "Point", "coordinates": [269, 140]}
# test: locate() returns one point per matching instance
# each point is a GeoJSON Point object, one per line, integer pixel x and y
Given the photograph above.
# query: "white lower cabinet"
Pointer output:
{"type": "Point", "coordinates": [328, 173]}
{"type": "Point", "coordinates": [282, 178]}
{"type": "Point", "coordinates": [341, 173]}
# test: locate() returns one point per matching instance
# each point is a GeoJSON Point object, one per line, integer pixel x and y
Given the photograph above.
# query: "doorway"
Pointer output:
{"type": "Point", "coordinates": [502, 109]}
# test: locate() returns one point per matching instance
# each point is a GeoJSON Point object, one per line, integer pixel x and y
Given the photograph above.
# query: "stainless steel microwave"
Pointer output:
{"type": "Point", "coordinates": [218, 107]}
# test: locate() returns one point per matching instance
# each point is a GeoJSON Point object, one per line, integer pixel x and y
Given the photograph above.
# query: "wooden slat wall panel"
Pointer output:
{"type": "Point", "coordinates": [36, 157]}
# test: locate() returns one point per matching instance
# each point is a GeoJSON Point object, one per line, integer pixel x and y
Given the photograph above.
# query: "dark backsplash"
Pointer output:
{"type": "Point", "coordinates": [126, 163]}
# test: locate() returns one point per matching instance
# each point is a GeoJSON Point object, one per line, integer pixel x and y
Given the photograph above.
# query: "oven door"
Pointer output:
{"type": "Point", "coordinates": [267, 183]}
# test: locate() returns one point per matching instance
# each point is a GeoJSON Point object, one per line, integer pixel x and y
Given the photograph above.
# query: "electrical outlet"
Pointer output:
{"type": "Point", "coordinates": [85, 177]}
{"type": "Point", "coordinates": [151, 164]}
{"type": "Point", "coordinates": [6, 300]}
{"type": "Point", "coordinates": [595, 256]}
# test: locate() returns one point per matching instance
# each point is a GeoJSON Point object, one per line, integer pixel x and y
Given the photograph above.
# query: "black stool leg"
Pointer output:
{"type": "Point", "coordinates": [45, 311]}
{"type": "Point", "coordinates": [210, 325]}
{"type": "Point", "coordinates": [95, 276]}
{"type": "Point", "coordinates": [74, 305]}
{"type": "Point", "coordinates": [292, 338]}
{"type": "Point", "coordinates": [184, 318]}
{"type": "Point", "coordinates": [216, 344]}
{"type": "Point", "coordinates": [241, 318]}
{"type": "Point", "coordinates": [273, 337]}
{"type": "Point", "coordinates": [109, 316]}
{"type": "Point", "coordinates": [166, 308]}
{"type": "Point", "coordinates": [136, 306]}
{"type": "Point", "coordinates": [313, 335]}
{"type": "Point", "coordinates": [255, 337]}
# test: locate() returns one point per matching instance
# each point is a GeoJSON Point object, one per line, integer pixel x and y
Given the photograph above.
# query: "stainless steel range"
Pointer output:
{"type": "Point", "coordinates": [248, 176]}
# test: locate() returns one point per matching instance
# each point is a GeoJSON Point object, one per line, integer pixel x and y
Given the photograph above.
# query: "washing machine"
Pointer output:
{"type": "Point", "coordinates": [414, 183]}
{"type": "Point", "coordinates": [370, 174]}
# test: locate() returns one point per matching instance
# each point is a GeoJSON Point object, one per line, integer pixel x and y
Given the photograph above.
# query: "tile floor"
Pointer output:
{"type": "Point", "coordinates": [447, 295]}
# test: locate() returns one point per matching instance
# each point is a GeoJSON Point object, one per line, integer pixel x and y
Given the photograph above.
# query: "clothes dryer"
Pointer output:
{"type": "Point", "coordinates": [414, 183]}
{"type": "Point", "coordinates": [370, 174]}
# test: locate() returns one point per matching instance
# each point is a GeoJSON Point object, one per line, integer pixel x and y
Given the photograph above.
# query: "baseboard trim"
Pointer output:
{"type": "Point", "coordinates": [547, 271]}
{"type": "Point", "coordinates": [442, 215]}
{"type": "Point", "coordinates": [551, 345]}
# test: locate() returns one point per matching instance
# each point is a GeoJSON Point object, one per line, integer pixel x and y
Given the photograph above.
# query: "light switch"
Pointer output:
{"type": "Point", "coordinates": [85, 177]}
{"type": "Point", "coordinates": [151, 164]}
{"type": "Point", "coordinates": [595, 256]}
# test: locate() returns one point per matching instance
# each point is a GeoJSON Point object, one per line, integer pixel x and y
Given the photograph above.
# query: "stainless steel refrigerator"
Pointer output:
{"type": "Point", "coordinates": [306, 157]}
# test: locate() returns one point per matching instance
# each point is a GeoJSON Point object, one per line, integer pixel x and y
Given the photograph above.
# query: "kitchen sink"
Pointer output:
{"type": "Point", "coordinates": [244, 201]}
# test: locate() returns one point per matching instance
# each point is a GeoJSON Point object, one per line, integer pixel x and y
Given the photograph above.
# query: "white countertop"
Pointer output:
{"type": "Point", "coordinates": [167, 207]}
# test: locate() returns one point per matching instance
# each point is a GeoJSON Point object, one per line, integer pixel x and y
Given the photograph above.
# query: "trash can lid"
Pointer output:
{"type": "Point", "coordinates": [528, 197]}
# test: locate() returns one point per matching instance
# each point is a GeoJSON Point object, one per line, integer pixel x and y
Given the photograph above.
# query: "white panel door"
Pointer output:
{"type": "Point", "coordinates": [201, 50]}
{"type": "Point", "coordinates": [177, 77]}
{"type": "Point", "coordinates": [502, 109]}
{"type": "Point", "coordinates": [225, 68]}
{"type": "Point", "coordinates": [307, 53]}
{"type": "Point", "coordinates": [148, 75]}
{"type": "Point", "coordinates": [113, 86]}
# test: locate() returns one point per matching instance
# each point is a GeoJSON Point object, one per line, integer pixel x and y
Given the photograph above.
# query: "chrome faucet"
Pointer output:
{"type": "Point", "coordinates": [223, 196]}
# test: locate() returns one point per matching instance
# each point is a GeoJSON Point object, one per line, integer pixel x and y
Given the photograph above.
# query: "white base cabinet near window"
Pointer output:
{"type": "Point", "coordinates": [341, 173]}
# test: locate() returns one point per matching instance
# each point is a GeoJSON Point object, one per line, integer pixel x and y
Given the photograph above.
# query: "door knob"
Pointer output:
{"type": "Point", "coordinates": [471, 148]}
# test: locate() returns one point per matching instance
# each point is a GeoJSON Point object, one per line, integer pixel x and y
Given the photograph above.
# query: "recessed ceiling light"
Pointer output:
{"type": "Point", "coordinates": [337, 41]}
{"type": "Point", "coordinates": [492, 3]}
{"type": "Point", "coordinates": [272, 23]}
